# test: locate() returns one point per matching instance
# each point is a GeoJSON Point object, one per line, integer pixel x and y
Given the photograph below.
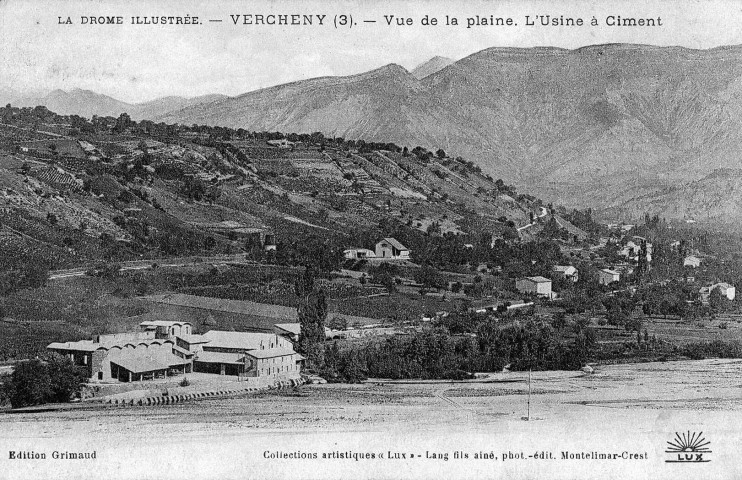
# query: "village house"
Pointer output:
{"type": "Point", "coordinates": [539, 286]}
{"type": "Point", "coordinates": [632, 249]}
{"type": "Point", "coordinates": [293, 330]}
{"type": "Point", "coordinates": [358, 253]}
{"type": "Point", "coordinates": [567, 271]}
{"type": "Point", "coordinates": [391, 248]}
{"type": "Point", "coordinates": [607, 276]}
{"type": "Point", "coordinates": [281, 143]}
{"type": "Point", "coordinates": [692, 261]}
{"type": "Point", "coordinates": [728, 291]}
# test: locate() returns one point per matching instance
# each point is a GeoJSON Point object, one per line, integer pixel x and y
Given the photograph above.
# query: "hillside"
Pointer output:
{"type": "Point", "coordinates": [575, 126]}
{"type": "Point", "coordinates": [73, 198]}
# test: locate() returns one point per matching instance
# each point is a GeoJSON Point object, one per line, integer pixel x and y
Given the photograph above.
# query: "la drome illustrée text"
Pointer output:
{"type": "Point", "coordinates": [389, 20]}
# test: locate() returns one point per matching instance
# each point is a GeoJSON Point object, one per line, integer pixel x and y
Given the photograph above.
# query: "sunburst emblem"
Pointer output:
{"type": "Point", "coordinates": [688, 443]}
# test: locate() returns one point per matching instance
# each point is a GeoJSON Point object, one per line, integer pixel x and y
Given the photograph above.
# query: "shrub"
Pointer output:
{"type": "Point", "coordinates": [35, 382]}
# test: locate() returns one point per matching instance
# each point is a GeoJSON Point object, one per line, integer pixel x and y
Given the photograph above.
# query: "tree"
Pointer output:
{"type": "Point", "coordinates": [716, 300]}
{"type": "Point", "coordinates": [429, 277]}
{"type": "Point", "coordinates": [312, 312]}
{"type": "Point", "coordinates": [384, 274]}
{"type": "Point", "coordinates": [37, 381]}
{"type": "Point", "coordinates": [66, 378]}
{"type": "Point", "coordinates": [338, 323]}
{"type": "Point", "coordinates": [30, 384]}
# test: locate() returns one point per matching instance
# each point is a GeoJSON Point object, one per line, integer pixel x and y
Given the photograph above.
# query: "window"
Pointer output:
{"type": "Point", "coordinates": [100, 375]}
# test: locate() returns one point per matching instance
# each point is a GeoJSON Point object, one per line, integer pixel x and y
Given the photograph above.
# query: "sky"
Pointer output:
{"type": "Point", "coordinates": [136, 63]}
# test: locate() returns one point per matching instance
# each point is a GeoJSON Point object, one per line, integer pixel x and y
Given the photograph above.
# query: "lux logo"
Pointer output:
{"type": "Point", "coordinates": [689, 448]}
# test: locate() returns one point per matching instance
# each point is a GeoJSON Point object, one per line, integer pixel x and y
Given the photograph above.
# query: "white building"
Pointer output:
{"type": "Point", "coordinates": [358, 253]}
{"type": "Point", "coordinates": [692, 261]}
{"type": "Point", "coordinates": [391, 248]}
{"type": "Point", "coordinates": [539, 286]}
{"type": "Point", "coordinates": [726, 290]}
{"type": "Point", "coordinates": [567, 271]}
{"type": "Point", "coordinates": [606, 276]}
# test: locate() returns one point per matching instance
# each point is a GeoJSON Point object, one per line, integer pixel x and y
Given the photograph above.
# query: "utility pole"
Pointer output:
{"type": "Point", "coordinates": [529, 395]}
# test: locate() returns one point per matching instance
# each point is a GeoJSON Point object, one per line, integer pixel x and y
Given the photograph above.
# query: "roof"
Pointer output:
{"type": "Point", "coordinates": [182, 350]}
{"type": "Point", "coordinates": [193, 338]}
{"type": "Point", "coordinates": [82, 345]}
{"type": "Point", "coordinates": [162, 323]}
{"type": "Point", "coordinates": [240, 340]}
{"type": "Point", "coordinates": [139, 362]}
{"type": "Point", "coordinates": [538, 279]}
{"type": "Point", "coordinates": [271, 353]}
{"type": "Point", "coordinates": [563, 268]}
{"type": "Point", "coordinates": [232, 306]}
{"type": "Point", "coordinates": [91, 346]}
{"type": "Point", "coordinates": [218, 357]}
{"type": "Point", "coordinates": [394, 243]}
{"type": "Point", "coordinates": [609, 271]}
{"type": "Point", "coordinates": [295, 328]}
{"type": "Point", "coordinates": [292, 328]}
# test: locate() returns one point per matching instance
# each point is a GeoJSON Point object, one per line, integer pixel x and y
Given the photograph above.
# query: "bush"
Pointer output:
{"type": "Point", "coordinates": [184, 382]}
{"type": "Point", "coordinates": [35, 382]}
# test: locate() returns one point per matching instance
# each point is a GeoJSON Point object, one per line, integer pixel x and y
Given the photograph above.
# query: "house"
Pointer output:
{"type": "Point", "coordinates": [607, 276]}
{"type": "Point", "coordinates": [247, 354]}
{"type": "Point", "coordinates": [293, 330]}
{"type": "Point", "coordinates": [726, 290]}
{"type": "Point", "coordinates": [390, 248]}
{"type": "Point", "coordinates": [127, 357]}
{"type": "Point", "coordinates": [358, 253]}
{"type": "Point", "coordinates": [567, 271]}
{"type": "Point", "coordinates": [281, 143]}
{"type": "Point", "coordinates": [539, 286]}
{"type": "Point", "coordinates": [632, 250]}
{"type": "Point", "coordinates": [692, 261]}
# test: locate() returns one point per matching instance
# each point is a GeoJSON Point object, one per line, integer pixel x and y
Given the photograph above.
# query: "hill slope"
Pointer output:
{"type": "Point", "coordinates": [573, 125]}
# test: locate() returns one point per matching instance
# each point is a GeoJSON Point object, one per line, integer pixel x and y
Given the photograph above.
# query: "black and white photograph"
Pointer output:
{"type": "Point", "coordinates": [401, 239]}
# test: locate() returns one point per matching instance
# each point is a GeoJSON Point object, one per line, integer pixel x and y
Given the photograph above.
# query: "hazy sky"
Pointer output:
{"type": "Point", "coordinates": [137, 63]}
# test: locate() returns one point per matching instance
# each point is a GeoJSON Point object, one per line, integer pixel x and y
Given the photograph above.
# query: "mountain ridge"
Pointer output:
{"type": "Point", "coordinates": [574, 126]}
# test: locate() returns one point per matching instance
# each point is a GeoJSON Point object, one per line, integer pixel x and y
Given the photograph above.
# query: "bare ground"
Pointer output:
{"type": "Point", "coordinates": [637, 389]}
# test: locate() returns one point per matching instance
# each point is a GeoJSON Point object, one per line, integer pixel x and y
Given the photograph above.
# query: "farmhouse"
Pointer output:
{"type": "Point", "coordinates": [728, 291]}
{"type": "Point", "coordinates": [358, 253]}
{"type": "Point", "coordinates": [692, 261]}
{"type": "Point", "coordinates": [606, 276]}
{"type": "Point", "coordinates": [567, 271]}
{"type": "Point", "coordinates": [539, 286]}
{"type": "Point", "coordinates": [292, 331]}
{"type": "Point", "coordinates": [281, 143]}
{"type": "Point", "coordinates": [391, 248]}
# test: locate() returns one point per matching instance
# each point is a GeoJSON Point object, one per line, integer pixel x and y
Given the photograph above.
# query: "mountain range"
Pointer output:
{"type": "Point", "coordinates": [87, 103]}
{"type": "Point", "coordinates": [619, 128]}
